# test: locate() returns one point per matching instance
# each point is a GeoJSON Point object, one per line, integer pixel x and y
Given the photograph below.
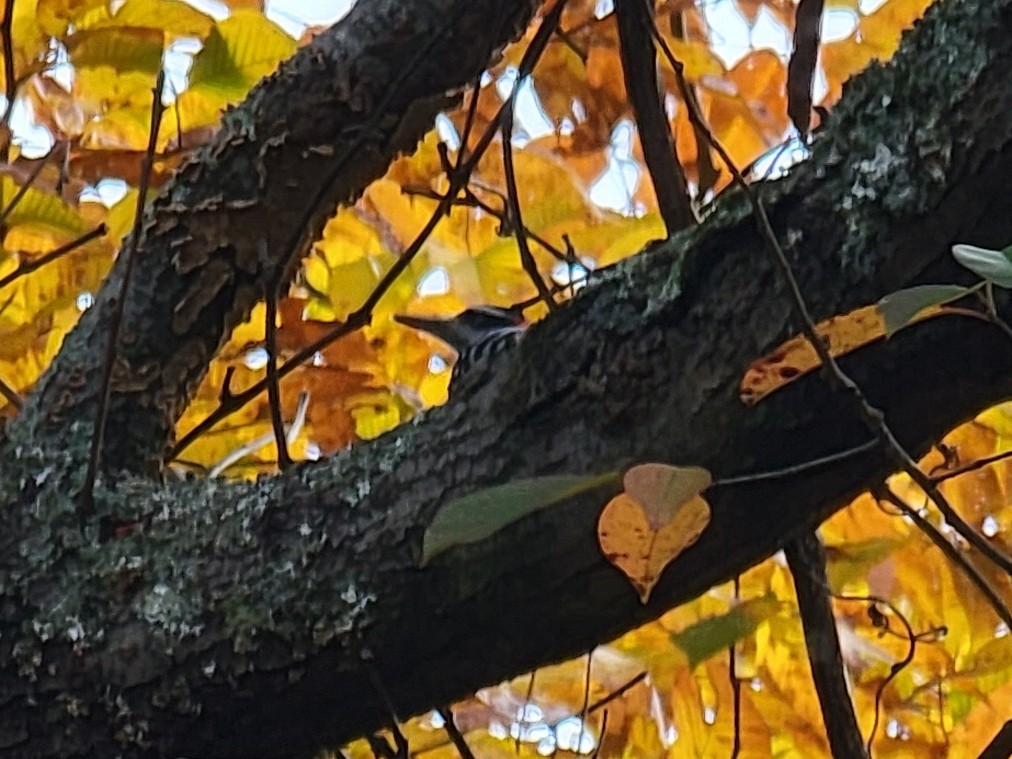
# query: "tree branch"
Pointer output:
{"type": "Point", "coordinates": [807, 560]}
{"type": "Point", "coordinates": [639, 67]}
{"type": "Point", "coordinates": [368, 89]}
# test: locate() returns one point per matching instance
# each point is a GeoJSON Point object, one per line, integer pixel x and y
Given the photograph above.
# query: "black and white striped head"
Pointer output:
{"type": "Point", "coordinates": [469, 328]}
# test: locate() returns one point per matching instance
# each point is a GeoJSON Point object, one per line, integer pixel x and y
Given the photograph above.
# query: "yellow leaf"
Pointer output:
{"type": "Point", "coordinates": [55, 16]}
{"type": "Point", "coordinates": [237, 53]}
{"type": "Point", "coordinates": [39, 212]}
{"type": "Point", "coordinates": [697, 58]}
{"type": "Point", "coordinates": [796, 357]}
{"type": "Point", "coordinates": [640, 552]}
{"type": "Point", "coordinates": [170, 17]}
{"type": "Point", "coordinates": [350, 284]}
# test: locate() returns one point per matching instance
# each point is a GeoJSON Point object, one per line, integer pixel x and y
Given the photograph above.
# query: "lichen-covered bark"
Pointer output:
{"type": "Point", "coordinates": [237, 216]}
{"type": "Point", "coordinates": [254, 620]}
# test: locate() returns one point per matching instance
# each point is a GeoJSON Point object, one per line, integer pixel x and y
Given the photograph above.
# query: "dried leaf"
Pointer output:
{"type": "Point", "coordinates": [640, 552]}
{"type": "Point", "coordinates": [661, 489]}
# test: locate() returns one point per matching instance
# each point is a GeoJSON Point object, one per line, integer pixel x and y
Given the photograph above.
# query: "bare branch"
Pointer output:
{"type": "Point", "coordinates": [807, 560]}
{"type": "Point", "coordinates": [884, 493]}
{"type": "Point", "coordinates": [273, 387]}
{"type": "Point", "coordinates": [872, 416]}
{"type": "Point", "coordinates": [26, 267]}
{"type": "Point", "coordinates": [98, 435]}
{"type": "Point", "coordinates": [639, 65]}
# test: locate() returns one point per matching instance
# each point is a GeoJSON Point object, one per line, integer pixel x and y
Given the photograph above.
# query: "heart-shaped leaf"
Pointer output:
{"type": "Point", "coordinates": [660, 489]}
{"type": "Point", "coordinates": [640, 552]}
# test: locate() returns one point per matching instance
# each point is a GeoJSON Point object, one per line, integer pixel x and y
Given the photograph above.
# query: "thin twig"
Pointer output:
{"type": "Point", "coordinates": [470, 200]}
{"type": "Point", "coordinates": [707, 174]}
{"type": "Point", "coordinates": [381, 748]}
{"type": "Point", "coordinates": [24, 188]}
{"type": "Point", "coordinates": [732, 673]}
{"type": "Point", "coordinates": [796, 469]}
{"type": "Point", "coordinates": [119, 306]}
{"type": "Point", "coordinates": [465, 135]}
{"type": "Point", "coordinates": [400, 741]}
{"type": "Point", "coordinates": [884, 493]}
{"type": "Point", "coordinates": [806, 559]}
{"type": "Point", "coordinates": [873, 417]}
{"type": "Point", "coordinates": [617, 693]}
{"type": "Point", "coordinates": [515, 216]}
{"type": "Point", "coordinates": [179, 120]}
{"type": "Point", "coordinates": [363, 315]}
{"type": "Point", "coordinates": [6, 38]}
{"type": "Point", "coordinates": [273, 384]}
{"type": "Point", "coordinates": [879, 620]}
{"type": "Point", "coordinates": [453, 732]}
{"type": "Point", "coordinates": [28, 266]}
{"type": "Point", "coordinates": [523, 712]}
{"type": "Point", "coordinates": [10, 83]}
{"type": "Point", "coordinates": [601, 732]}
{"type": "Point", "coordinates": [586, 701]}
{"type": "Point", "coordinates": [990, 311]}
{"type": "Point", "coordinates": [256, 444]}
{"type": "Point", "coordinates": [971, 466]}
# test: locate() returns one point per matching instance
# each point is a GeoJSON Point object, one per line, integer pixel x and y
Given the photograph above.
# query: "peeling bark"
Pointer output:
{"type": "Point", "coordinates": [238, 216]}
{"type": "Point", "coordinates": [252, 619]}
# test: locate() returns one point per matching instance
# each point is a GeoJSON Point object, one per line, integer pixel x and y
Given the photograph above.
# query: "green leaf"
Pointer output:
{"type": "Point", "coordinates": [851, 560]}
{"type": "Point", "coordinates": [482, 513]}
{"type": "Point", "coordinates": [43, 210]}
{"type": "Point", "coordinates": [715, 634]}
{"type": "Point", "coordinates": [993, 265]}
{"type": "Point", "coordinates": [992, 658]}
{"type": "Point", "coordinates": [237, 53]}
{"type": "Point", "coordinates": [898, 309]}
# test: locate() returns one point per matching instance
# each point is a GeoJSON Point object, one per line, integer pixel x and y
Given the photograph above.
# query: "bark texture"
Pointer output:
{"type": "Point", "coordinates": [238, 217]}
{"type": "Point", "coordinates": [255, 619]}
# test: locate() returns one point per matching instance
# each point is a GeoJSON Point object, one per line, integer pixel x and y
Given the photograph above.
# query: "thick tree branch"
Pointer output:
{"type": "Point", "coordinates": [252, 619]}
{"type": "Point", "coordinates": [312, 135]}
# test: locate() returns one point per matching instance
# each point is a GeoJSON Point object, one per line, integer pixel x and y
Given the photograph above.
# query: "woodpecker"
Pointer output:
{"type": "Point", "coordinates": [478, 335]}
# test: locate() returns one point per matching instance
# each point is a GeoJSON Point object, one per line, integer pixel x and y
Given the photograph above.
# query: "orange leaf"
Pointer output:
{"type": "Point", "coordinates": [797, 357]}
{"type": "Point", "coordinates": [641, 553]}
